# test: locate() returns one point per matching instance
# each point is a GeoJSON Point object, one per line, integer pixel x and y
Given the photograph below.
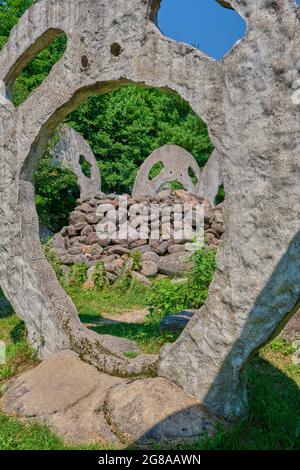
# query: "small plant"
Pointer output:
{"type": "Point", "coordinates": [131, 354]}
{"type": "Point", "coordinates": [136, 257]}
{"type": "Point", "coordinates": [124, 282]}
{"type": "Point", "coordinates": [168, 298]}
{"type": "Point", "coordinates": [99, 277]}
{"type": "Point", "coordinates": [20, 356]}
{"type": "Point", "coordinates": [77, 275]}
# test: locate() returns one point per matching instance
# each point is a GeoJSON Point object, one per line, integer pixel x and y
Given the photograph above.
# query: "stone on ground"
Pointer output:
{"type": "Point", "coordinates": [83, 405]}
{"type": "Point", "coordinates": [175, 264]}
{"type": "Point", "coordinates": [119, 345]}
{"type": "Point", "coordinates": [66, 394]}
{"type": "Point", "coordinates": [149, 268]}
{"type": "Point", "coordinates": [175, 323]}
{"type": "Point", "coordinates": [155, 410]}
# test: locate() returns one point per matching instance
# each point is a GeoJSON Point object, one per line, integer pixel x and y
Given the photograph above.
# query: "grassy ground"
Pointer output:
{"type": "Point", "coordinates": [273, 383]}
{"type": "Point", "coordinates": [92, 304]}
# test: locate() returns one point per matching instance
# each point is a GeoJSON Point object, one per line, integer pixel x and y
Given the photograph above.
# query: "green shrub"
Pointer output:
{"type": "Point", "coordinates": [77, 275]}
{"type": "Point", "coordinates": [168, 298]}
{"type": "Point", "coordinates": [124, 282]}
{"type": "Point", "coordinates": [137, 260]}
{"type": "Point", "coordinates": [99, 277]}
{"type": "Point", "coordinates": [200, 277]}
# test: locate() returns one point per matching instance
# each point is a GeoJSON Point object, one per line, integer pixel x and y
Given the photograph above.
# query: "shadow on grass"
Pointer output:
{"type": "Point", "coordinates": [86, 318]}
{"type": "Point", "coordinates": [18, 333]}
{"type": "Point", "coordinates": [6, 310]}
{"type": "Point", "coordinates": [147, 335]}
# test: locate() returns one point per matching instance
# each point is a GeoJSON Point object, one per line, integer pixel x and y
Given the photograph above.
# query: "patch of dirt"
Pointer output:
{"type": "Point", "coordinates": [131, 316]}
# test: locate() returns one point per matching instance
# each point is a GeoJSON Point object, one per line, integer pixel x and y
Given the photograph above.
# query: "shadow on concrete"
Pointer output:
{"type": "Point", "coordinates": [273, 421]}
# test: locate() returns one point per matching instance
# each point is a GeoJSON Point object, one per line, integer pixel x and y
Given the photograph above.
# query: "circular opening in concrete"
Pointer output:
{"type": "Point", "coordinates": [156, 170]}
{"type": "Point", "coordinates": [84, 62]}
{"type": "Point", "coordinates": [116, 49]}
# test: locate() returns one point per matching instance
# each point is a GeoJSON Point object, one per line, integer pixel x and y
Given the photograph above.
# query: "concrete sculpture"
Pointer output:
{"type": "Point", "coordinates": [176, 163]}
{"type": "Point", "coordinates": [68, 151]}
{"type": "Point", "coordinates": [211, 178]}
{"type": "Point", "coordinates": [246, 101]}
{"type": "Point", "coordinates": [179, 165]}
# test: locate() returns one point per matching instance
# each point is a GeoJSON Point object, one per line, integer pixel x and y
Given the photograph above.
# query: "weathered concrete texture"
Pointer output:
{"type": "Point", "coordinates": [66, 394]}
{"type": "Point", "coordinates": [246, 100]}
{"type": "Point", "coordinates": [176, 164]}
{"type": "Point", "coordinates": [83, 405]}
{"type": "Point", "coordinates": [68, 151]}
{"type": "Point", "coordinates": [211, 178]}
{"type": "Point", "coordinates": [292, 330]}
{"type": "Point", "coordinates": [156, 410]}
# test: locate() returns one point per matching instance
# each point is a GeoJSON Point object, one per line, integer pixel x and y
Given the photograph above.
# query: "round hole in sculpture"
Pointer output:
{"type": "Point", "coordinates": [192, 175]}
{"type": "Point", "coordinates": [156, 170]}
{"type": "Point", "coordinates": [84, 61]}
{"type": "Point", "coordinates": [116, 49]}
{"type": "Point", "coordinates": [52, 38]}
{"type": "Point", "coordinates": [85, 166]}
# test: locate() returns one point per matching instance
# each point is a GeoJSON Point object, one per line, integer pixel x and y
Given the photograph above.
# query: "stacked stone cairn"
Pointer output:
{"type": "Point", "coordinates": [79, 242]}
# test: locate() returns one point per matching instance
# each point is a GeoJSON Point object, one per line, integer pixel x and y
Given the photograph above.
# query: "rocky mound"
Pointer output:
{"type": "Point", "coordinates": [167, 254]}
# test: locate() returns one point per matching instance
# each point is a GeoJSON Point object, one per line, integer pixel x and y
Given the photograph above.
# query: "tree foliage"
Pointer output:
{"type": "Point", "coordinates": [126, 125]}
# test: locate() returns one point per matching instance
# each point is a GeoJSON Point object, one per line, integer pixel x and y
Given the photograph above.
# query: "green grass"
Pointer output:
{"type": "Point", "coordinates": [146, 335]}
{"type": "Point", "coordinates": [273, 421]}
{"type": "Point", "coordinates": [273, 382]}
{"type": "Point", "coordinates": [92, 305]}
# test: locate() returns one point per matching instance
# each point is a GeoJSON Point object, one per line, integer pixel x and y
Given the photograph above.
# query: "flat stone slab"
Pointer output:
{"type": "Point", "coordinates": [66, 394]}
{"type": "Point", "coordinates": [156, 410]}
{"type": "Point", "coordinates": [119, 345]}
{"type": "Point", "coordinates": [175, 264]}
{"type": "Point", "coordinates": [83, 405]}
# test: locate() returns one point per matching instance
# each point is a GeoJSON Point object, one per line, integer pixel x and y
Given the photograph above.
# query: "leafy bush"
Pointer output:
{"type": "Point", "coordinates": [77, 275]}
{"type": "Point", "coordinates": [200, 277]}
{"type": "Point", "coordinates": [137, 260]}
{"type": "Point", "coordinates": [99, 277]}
{"type": "Point", "coordinates": [167, 297]}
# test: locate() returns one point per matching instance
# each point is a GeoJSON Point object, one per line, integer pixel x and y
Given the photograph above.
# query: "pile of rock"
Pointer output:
{"type": "Point", "coordinates": [80, 243]}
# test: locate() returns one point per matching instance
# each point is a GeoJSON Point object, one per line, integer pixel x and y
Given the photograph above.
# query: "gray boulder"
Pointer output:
{"type": "Point", "coordinates": [175, 264]}
{"type": "Point", "coordinates": [175, 323]}
{"type": "Point", "coordinates": [156, 410]}
{"type": "Point", "coordinates": [149, 268]}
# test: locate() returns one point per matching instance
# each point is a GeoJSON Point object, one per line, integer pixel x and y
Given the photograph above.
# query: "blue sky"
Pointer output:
{"type": "Point", "coordinates": [202, 23]}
